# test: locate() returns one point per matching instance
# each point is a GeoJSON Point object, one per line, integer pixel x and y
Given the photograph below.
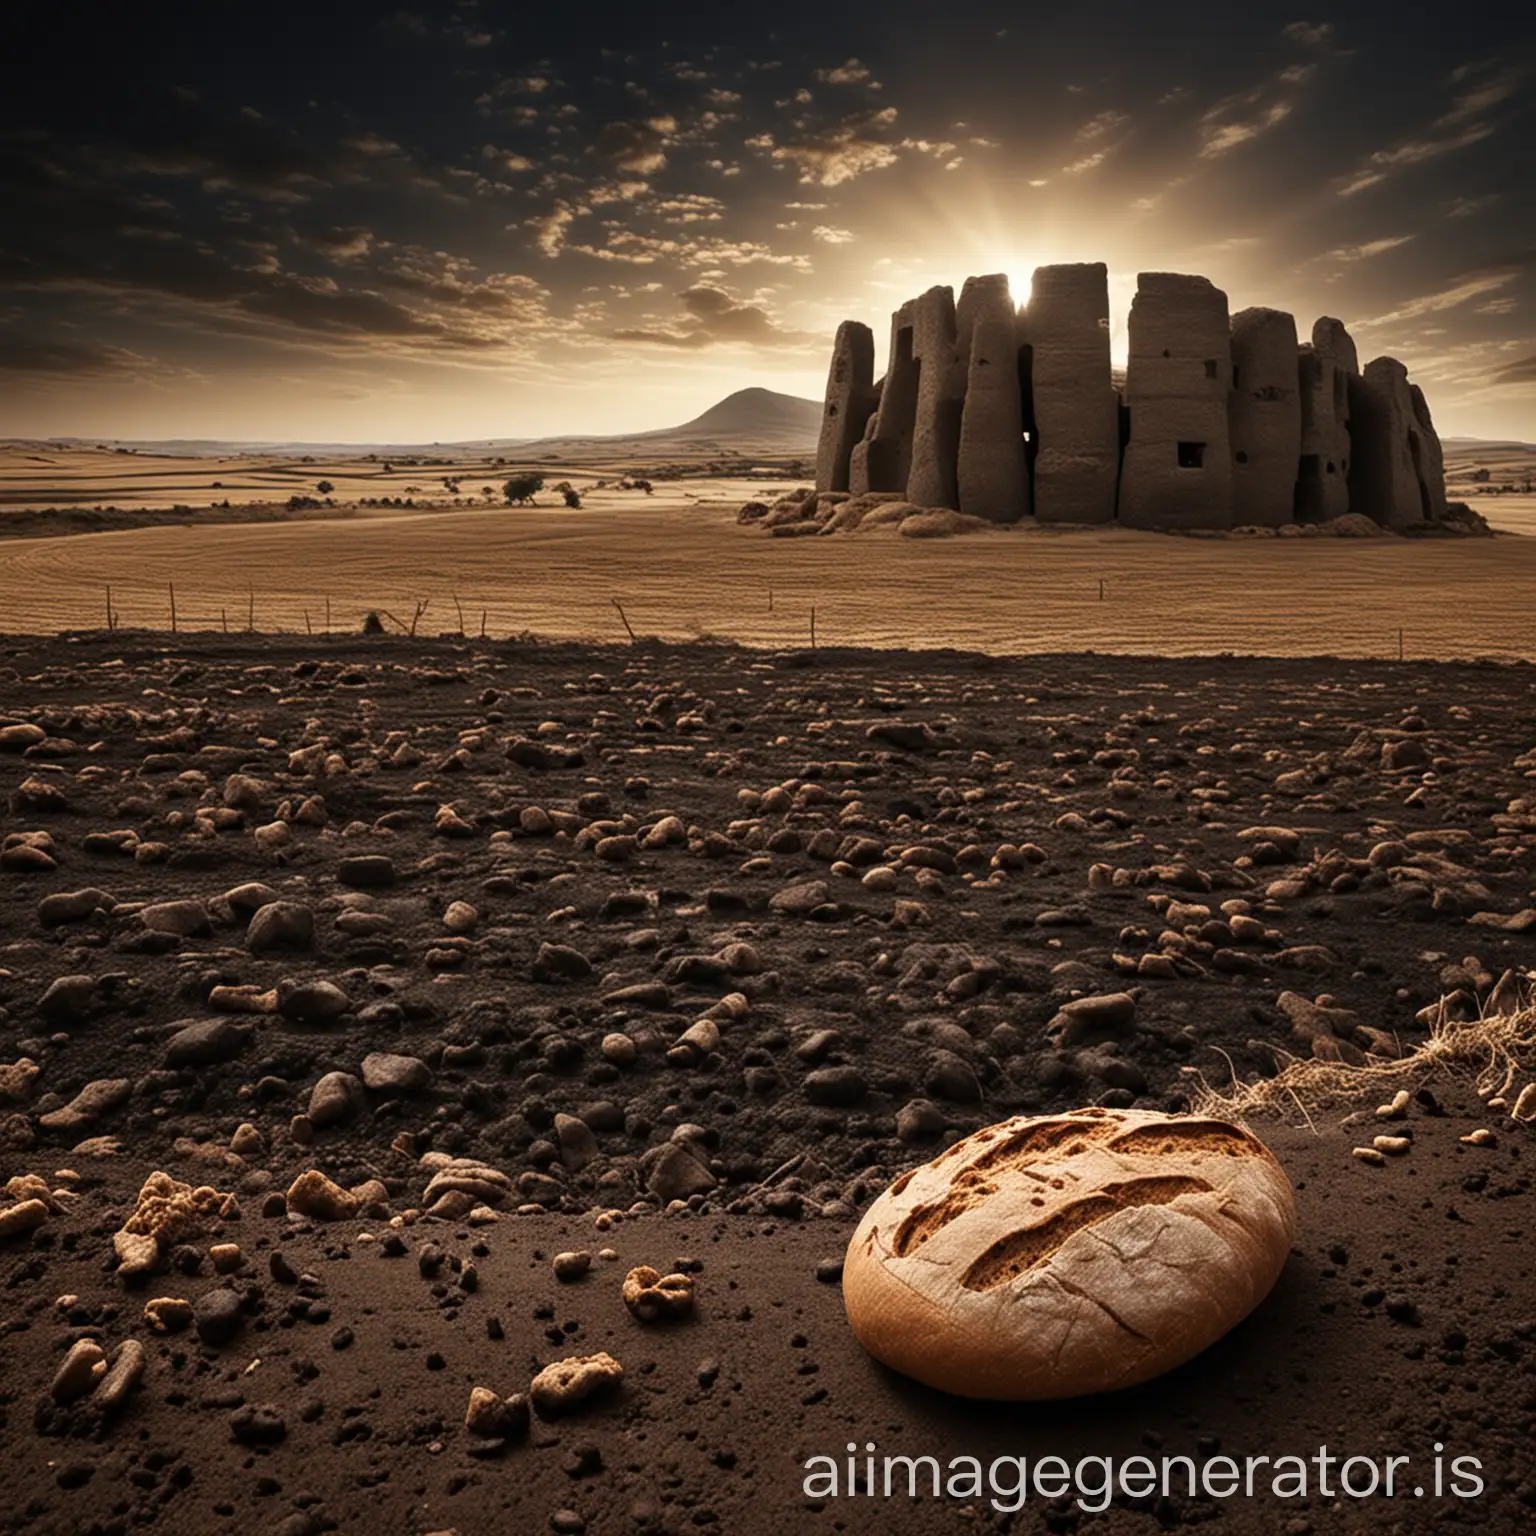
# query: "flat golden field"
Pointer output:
{"type": "Point", "coordinates": [680, 567]}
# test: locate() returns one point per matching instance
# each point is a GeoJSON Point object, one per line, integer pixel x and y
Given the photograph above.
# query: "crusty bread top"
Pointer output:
{"type": "Point", "coordinates": [1046, 1256]}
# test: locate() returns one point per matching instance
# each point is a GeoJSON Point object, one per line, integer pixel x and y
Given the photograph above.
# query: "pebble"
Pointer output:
{"type": "Point", "coordinates": [570, 1267]}
{"type": "Point", "coordinates": [653, 1297]}
{"type": "Point", "coordinates": [564, 1385]}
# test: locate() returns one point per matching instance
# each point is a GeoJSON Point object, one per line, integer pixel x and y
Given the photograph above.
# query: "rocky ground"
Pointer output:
{"type": "Point", "coordinates": [403, 960]}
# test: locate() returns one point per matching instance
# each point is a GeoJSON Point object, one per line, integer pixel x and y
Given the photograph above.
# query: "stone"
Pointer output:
{"type": "Point", "coordinates": [89, 1105]}
{"type": "Point", "coordinates": [653, 1297]}
{"type": "Point", "coordinates": [559, 962]}
{"type": "Point", "coordinates": [940, 399]}
{"type": "Point", "coordinates": [73, 906]}
{"type": "Point", "coordinates": [801, 899]}
{"type": "Point", "coordinates": [386, 1073]}
{"type": "Point", "coordinates": [67, 999]}
{"type": "Point", "coordinates": [674, 1173]}
{"type": "Point", "coordinates": [21, 1218]}
{"type": "Point", "coordinates": [335, 1099]}
{"type": "Point", "coordinates": [992, 479]}
{"type": "Point", "coordinates": [258, 1424]}
{"type": "Point", "coordinates": [883, 459]}
{"type": "Point", "coordinates": [566, 1384]}
{"type": "Point", "coordinates": [168, 1314]}
{"type": "Point", "coordinates": [1177, 468]}
{"type": "Point", "coordinates": [1073, 410]}
{"type": "Point", "coordinates": [217, 1315]}
{"type": "Point", "coordinates": [1393, 465]}
{"type": "Point", "coordinates": [280, 925]}
{"type": "Point", "coordinates": [125, 1369]}
{"type": "Point", "coordinates": [79, 1371]}
{"type": "Point", "coordinates": [206, 1042]}
{"type": "Point", "coordinates": [367, 871]}
{"type": "Point", "coordinates": [166, 1210]}
{"type": "Point", "coordinates": [838, 1087]}
{"type": "Point", "coordinates": [16, 1079]}
{"type": "Point", "coordinates": [1264, 418]}
{"type": "Point", "coordinates": [1325, 368]}
{"type": "Point", "coordinates": [186, 919]}
{"type": "Point", "coordinates": [313, 1194]}
{"type": "Point", "coordinates": [311, 1002]}
{"type": "Point", "coordinates": [850, 402]}
{"type": "Point", "coordinates": [489, 1416]}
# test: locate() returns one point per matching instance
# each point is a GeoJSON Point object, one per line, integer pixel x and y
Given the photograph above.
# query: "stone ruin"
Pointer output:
{"type": "Point", "coordinates": [1005, 412]}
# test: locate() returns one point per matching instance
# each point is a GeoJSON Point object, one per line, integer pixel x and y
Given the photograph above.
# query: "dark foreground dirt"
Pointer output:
{"type": "Point", "coordinates": [1256, 857]}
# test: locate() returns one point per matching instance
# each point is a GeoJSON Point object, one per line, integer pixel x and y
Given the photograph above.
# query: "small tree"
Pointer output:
{"type": "Point", "coordinates": [489, 492]}
{"type": "Point", "coordinates": [643, 485]}
{"type": "Point", "coordinates": [521, 489]}
{"type": "Point", "coordinates": [325, 488]}
{"type": "Point", "coordinates": [572, 496]}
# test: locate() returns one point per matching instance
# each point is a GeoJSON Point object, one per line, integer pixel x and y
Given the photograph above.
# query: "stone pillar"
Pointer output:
{"type": "Point", "coordinates": [992, 476]}
{"type": "Point", "coordinates": [1325, 369]}
{"type": "Point", "coordinates": [1178, 463]}
{"type": "Point", "coordinates": [1074, 408]}
{"type": "Point", "coordinates": [1387, 479]}
{"type": "Point", "coordinates": [1432, 456]}
{"type": "Point", "coordinates": [884, 458]}
{"type": "Point", "coordinates": [850, 400]}
{"type": "Point", "coordinates": [1264, 421]}
{"type": "Point", "coordinates": [940, 397]}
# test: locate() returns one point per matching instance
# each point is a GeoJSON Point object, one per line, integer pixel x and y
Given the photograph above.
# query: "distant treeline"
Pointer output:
{"type": "Point", "coordinates": [57, 522]}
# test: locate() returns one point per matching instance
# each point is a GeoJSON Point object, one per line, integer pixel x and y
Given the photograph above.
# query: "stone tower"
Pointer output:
{"type": "Point", "coordinates": [883, 459]}
{"type": "Point", "coordinates": [993, 478]}
{"type": "Point", "coordinates": [1326, 368]}
{"type": "Point", "coordinates": [850, 400]}
{"type": "Point", "coordinates": [1265, 418]}
{"type": "Point", "coordinates": [1390, 478]}
{"type": "Point", "coordinates": [940, 398]}
{"type": "Point", "coordinates": [1177, 470]}
{"type": "Point", "coordinates": [1075, 413]}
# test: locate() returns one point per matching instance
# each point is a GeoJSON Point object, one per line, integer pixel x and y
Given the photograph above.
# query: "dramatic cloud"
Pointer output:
{"type": "Point", "coordinates": [1237, 120]}
{"type": "Point", "coordinates": [716, 318]}
{"type": "Point", "coordinates": [1465, 123]}
{"type": "Point", "coordinates": [850, 73]}
{"type": "Point", "coordinates": [638, 146]}
{"type": "Point", "coordinates": [1523, 372]}
{"type": "Point", "coordinates": [1462, 291]}
{"type": "Point", "coordinates": [1363, 252]}
{"type": "Point", "coordinates": [833, 155]}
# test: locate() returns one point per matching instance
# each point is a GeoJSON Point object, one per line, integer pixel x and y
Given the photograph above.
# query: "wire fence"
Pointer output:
{"type": "Point", "coordinates": [1112, 615]}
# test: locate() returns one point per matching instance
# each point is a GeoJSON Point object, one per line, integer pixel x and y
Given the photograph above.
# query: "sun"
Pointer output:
{"type": "Point", "coordinates": [1020, 272]}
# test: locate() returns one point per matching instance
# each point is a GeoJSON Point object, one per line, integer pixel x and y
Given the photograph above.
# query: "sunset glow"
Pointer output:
{"type": "Point", "coordinates": [452, 223]}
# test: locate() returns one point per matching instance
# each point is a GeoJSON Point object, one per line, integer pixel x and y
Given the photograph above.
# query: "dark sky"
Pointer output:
{"type": "Point", "coordinates": [349, 221]}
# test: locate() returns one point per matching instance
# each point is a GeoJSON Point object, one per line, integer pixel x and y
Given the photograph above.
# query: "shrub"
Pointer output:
{"type": "Point", "coordinates": [325, 488]}
{"type": "Point", "coordinates": [521, 489]}
{"type": "Point", "coordinates": [572, 496]}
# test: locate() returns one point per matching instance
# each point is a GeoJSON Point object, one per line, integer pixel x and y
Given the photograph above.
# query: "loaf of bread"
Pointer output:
{"type": "Point", "coordinates": [1059, 1255]}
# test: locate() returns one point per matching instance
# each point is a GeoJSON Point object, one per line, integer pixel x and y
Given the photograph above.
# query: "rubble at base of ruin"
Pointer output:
{"type": "Point", "coordinates": [1224, 421]}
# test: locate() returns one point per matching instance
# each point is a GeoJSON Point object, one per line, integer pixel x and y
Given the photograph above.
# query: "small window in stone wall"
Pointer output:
{"type": "Point", "coordinates": [1242, 458]}
{"type": "Point", "coordinates": [1235, 371]}
{"type": "Point", "coordinates": [1191, 455]}
{"type": "Point", "coordinates": [1210, 367]}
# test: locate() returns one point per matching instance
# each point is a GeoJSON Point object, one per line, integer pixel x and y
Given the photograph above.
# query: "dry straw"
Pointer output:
{"type": "Point", "coordinates": [1494, 1050]}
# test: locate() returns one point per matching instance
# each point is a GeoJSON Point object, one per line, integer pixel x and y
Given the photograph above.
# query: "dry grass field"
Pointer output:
{"type": "Point", "coordinates": [681, 568]}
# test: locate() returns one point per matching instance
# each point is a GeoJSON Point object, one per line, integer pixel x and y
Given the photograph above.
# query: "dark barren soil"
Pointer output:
{"type": "Point", "coordinates": [718, 943]}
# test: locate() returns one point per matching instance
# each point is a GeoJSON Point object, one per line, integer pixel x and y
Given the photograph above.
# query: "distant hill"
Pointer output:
{"type": "Point", "coordinates": [749, 419]}
{"type": "Point", "coordinates": [755, 416]}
